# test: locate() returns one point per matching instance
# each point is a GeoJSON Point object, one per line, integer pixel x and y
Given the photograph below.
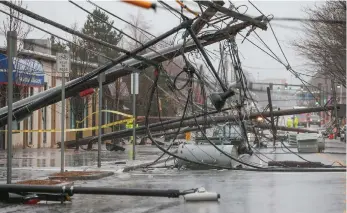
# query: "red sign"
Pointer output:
{"type": "Point", "coordinates": [86, 92]}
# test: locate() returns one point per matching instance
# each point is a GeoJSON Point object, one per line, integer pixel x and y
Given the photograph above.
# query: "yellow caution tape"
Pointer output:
{"type": "Point", "coordinates": [130, 126]}
{"type": "Point", "coordinates": [129, 120]}
{"type": "Point", "coordinates": [110, 111]}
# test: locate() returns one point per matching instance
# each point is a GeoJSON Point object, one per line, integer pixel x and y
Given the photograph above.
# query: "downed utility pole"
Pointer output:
{"type": "Point", "coordinates": [42, 102]}
{"type": "Point", "coordinates": [172, 126]}
{"type": "Point", "coordinates": [189, 195]}
{"type": "Point", "coordinates": [189, 121]}
{"type": "Point", "coordinates": [234, 14]}
{"type": "Point", "coordinates": [204, 18]}
{"type": "Point", "coordinates": [118, 71]}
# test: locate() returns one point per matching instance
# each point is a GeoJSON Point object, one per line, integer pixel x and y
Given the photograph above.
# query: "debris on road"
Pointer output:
{"type": "Point", "coordinates": [41, 182]}
{"type": "Point", "coordinates": [296, 164]}
{"type": "Point", "coordinates": [80, 175]}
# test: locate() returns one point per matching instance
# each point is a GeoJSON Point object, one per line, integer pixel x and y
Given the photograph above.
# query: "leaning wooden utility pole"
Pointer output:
{"type": "Point", "coordinates": [274, 132]}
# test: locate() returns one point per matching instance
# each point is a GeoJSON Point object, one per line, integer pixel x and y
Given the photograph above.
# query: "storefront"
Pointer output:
{"type": "Point", "coordinates": [29, 79]}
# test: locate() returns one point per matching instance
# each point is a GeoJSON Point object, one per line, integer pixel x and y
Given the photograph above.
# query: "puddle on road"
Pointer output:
{"type": "Point", "coordinates": [51, 157]}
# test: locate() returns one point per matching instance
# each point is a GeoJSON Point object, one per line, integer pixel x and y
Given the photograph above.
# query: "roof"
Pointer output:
{"type": "Point", "coordinates": [48, 57]}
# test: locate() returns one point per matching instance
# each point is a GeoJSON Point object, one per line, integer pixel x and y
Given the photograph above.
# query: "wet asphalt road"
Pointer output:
{"type": "Point", "coordinates": [241, 192]}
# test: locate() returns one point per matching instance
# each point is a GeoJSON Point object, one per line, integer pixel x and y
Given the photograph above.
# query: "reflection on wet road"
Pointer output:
{"type": "Point", "coordinates": [45, 160]}
{"type": "Point", "coordinates": [241, 191]}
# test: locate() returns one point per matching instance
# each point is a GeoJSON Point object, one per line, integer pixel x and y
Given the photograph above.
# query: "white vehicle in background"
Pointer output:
{"type": "Point", "coordinates": [314, 120]}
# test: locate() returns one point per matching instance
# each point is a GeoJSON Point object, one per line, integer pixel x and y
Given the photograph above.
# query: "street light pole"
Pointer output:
{"type": "Point", "coordinates": [63, 66]}
{"type": "Point", "coordinates": [134, 122]}
{"type": "Point", "coordinates": [134, 91]}
{"type": "Point", "coordinates": [62, 121]}
{"type": "Point", "coordinates": [101, 80]}
{"type": "Point", "coordinates": [11, 52]}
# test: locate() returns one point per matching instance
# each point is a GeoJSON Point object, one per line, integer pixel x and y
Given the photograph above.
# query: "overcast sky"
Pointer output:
{"type": "Point", "coordinates": [253, 60]}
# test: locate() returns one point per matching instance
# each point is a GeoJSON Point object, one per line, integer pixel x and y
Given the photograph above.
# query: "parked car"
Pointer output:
{"type": "Point", "coordinates": [314, 120]}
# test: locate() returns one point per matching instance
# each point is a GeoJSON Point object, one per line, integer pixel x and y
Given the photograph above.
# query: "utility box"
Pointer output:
{"type": "Point", "coordinates": [307, 143]}
{"type": "Point", "coordinates": [321, 144]}
{"type": "Point", "coordinates": [205, 153]}
{"type": "Point", "coordinates": [292, 139]}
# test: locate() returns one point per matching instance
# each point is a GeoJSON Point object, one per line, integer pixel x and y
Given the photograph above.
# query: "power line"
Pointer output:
{"type": "Point", "coordinates": [72, 42]}
{"type": "Point", "coordinates": [43, 30]}
{"type": "Point", "coordinates": [72, 31]}
{"type": "Point", "coordinates": [288, 67]}
{"type": "Point", "coordinates": [327, 21]}
{"type": "Point", "coordinates": [26, 65]}
{"type": "Point", "coordinates": [144, 32]}
{"type": "Point", "coordinates": [120, 31]}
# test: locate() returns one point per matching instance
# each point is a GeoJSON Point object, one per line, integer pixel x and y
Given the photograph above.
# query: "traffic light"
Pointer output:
{"type": "Point", "coordinates": [271, 85]}
{"type": "Point", "coordinates": [285, 86]}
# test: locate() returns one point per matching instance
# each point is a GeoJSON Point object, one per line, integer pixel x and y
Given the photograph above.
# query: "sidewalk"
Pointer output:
{"type": "Point", "coordinates": [40, 163]}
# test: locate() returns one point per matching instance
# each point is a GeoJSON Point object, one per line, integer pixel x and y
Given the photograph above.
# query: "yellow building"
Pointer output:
{"type": "Point", "coordinates": [49, 117]}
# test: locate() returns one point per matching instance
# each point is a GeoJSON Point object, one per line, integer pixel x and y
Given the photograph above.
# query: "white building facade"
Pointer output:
{"type": "Point", "coordinates": [39, 130]}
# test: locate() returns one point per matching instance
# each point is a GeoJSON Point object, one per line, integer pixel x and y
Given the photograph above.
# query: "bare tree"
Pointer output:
{"type": "Point", "coordinates": [324, 43]}
{"type": "Point", "coordinates": [26, 70]}
{"type": "Point", "coordinates": [164, 102]}
{"type": "Point", "coordinates": [138, 21]}
{"type": "Point", "coordinates": [11, 23]}
{"type": "Point", "coordinates": [78, 105]}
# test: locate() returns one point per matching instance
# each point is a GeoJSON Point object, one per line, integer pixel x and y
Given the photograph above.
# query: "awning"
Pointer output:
{"type": "Point", "coordinates": [26, 72]}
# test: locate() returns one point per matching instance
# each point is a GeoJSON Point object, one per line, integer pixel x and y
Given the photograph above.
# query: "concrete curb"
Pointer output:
{"type": "Point", "coordinates": [63, 183]}
{"type": "Point", "coordinates": [86, 177]}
